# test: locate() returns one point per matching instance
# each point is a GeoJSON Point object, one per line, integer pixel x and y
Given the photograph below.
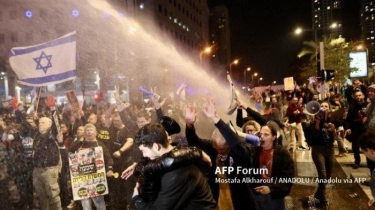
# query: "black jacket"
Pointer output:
{"type": "Point", "coordinates": [181, 188]}
{"type": "Point", "coordinates": [149, 172]}
{"type": "Point", "coordinates": [356, 113]}
{"type": "Point", "coordinates": [239, 155]}
{"type": "Point", "coordinates": [282, 167]}
{"type": "Point", "coordinates": [322, 136]}
{"type": "Point", "coordinates": [46, 150]}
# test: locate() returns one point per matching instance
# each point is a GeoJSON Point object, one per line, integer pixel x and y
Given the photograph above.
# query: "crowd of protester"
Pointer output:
{"type": "Point", "coordinates": [176, 160]}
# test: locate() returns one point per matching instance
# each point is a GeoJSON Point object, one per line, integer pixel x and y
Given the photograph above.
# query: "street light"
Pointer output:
{"type": "Point", "coordinates": [206, 50]}
{"type": "Point", "coordinates": [299, 30]}
{"type": "Point", "coordinates": [230, 66]}
{"type": "Point", "coordinates": [244, 75]}
{"type": "Point", "coordinates": [252, 78]}
{"type": "Point", "coordinates": [260, 79]}
{"type": "Point", "coordinates": [274, 82]}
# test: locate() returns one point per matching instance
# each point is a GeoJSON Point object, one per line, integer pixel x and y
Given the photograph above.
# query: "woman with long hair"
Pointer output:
{"type": "Point", "coordinates": [322, 150]}
{"type": "Point", "coordinates": [277, 163]}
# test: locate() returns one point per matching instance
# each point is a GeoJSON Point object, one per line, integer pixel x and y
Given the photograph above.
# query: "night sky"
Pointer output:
{"type": "Point", "coordinates": [262, 33]}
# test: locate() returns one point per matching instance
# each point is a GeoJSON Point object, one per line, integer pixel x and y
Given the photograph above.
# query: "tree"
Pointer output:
{"type": "Point", "coordinates": [336, 57]}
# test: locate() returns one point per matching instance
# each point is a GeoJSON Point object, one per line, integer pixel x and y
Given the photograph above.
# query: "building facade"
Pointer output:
{"type": "Point", "coordinates": [220, 37]}
{"type": "Point", "coordinates": [326, 18]}
{"type": "Point", "coordinates": [185, 22]}
{"type": "Point", "coordinates": [368, 28]}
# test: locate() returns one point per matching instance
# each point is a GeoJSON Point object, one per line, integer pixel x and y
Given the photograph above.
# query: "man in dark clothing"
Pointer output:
{"type": "Point", "coordinates": [47, 165]}
{"type": "Point", "coordinates": [225, 149]}
{"type": "Point", "coordinates": [350, 90]}
{"type": "Point", "coordinates": [182, 188]}
{"type": "Point", "coordinates": [123, 152]}
{"type": "Point", "coordinates": [370, 119]}
{"type": "Point", "coordinates": [355, 124]}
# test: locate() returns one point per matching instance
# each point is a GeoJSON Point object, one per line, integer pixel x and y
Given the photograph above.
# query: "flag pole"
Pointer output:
{"type": "Point", "coordinates": [38, 98]}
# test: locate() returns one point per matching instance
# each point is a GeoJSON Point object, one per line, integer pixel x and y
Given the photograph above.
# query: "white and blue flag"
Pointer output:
{"type": "Point", "coordinates": [45, 64]}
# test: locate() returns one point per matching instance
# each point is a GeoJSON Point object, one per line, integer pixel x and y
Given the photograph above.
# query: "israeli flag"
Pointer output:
{"type": "Point", "coordinates": [45, 64]}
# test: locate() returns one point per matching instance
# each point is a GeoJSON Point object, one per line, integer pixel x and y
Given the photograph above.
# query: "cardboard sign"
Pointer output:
{"type": "Point", "coordinates": [72, 98]}
{"type": "Point", "coordinates": [288, 83]}
{"type": "Point", "coordinates": [87, 173]}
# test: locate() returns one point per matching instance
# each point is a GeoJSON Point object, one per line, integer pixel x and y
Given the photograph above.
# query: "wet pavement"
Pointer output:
{"type": "Point", "coordinates": [347, 190]}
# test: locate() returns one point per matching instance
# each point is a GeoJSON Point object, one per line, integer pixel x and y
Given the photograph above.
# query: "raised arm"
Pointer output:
{"type": "Point", "coordinates": [236, 145]}
{"type": "Point", "coordinates": [191, 135]}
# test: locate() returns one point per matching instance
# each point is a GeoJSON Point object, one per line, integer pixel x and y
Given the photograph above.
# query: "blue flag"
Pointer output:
{"type": "Point", "coordinates": [45, 64]}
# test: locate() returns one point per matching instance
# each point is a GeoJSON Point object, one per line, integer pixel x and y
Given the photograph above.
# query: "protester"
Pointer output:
{"type": "Point", "coordinates": [182, 188]}
{"type": "Point", "coordinates": [47, 166]}
{"type": "Point", "coordinates": [91, 142]}
{"type": "Point", "coordinates": [367, 144]}
{"type": "Point", "coordinates": [226, 150]}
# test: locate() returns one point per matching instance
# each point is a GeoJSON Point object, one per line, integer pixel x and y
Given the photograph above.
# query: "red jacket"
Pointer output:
{"type": "Point", "coordinates": [294, 118]}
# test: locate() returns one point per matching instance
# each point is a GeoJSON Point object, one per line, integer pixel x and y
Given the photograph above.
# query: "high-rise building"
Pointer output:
{"type": "Point", "coordinates": [220, 36]}
{"type": "Point", "coordinates": [368, 27]}
{"type": "Point", "coordinates": [186, 22]}
{"type": "Point", "coordinates": [326, 17]}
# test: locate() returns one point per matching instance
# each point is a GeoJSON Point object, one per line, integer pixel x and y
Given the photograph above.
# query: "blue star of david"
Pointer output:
{"type": "Point", "coordinates": [40, 58]}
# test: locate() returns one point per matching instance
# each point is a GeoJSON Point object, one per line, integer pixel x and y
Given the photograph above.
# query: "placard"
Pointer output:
{"type": "Point", "coordinates": [87, 173]}
{"type": "Point", "coordinates": [288, 83]}
{"type": "Point", "coordinates": [72, 98]}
